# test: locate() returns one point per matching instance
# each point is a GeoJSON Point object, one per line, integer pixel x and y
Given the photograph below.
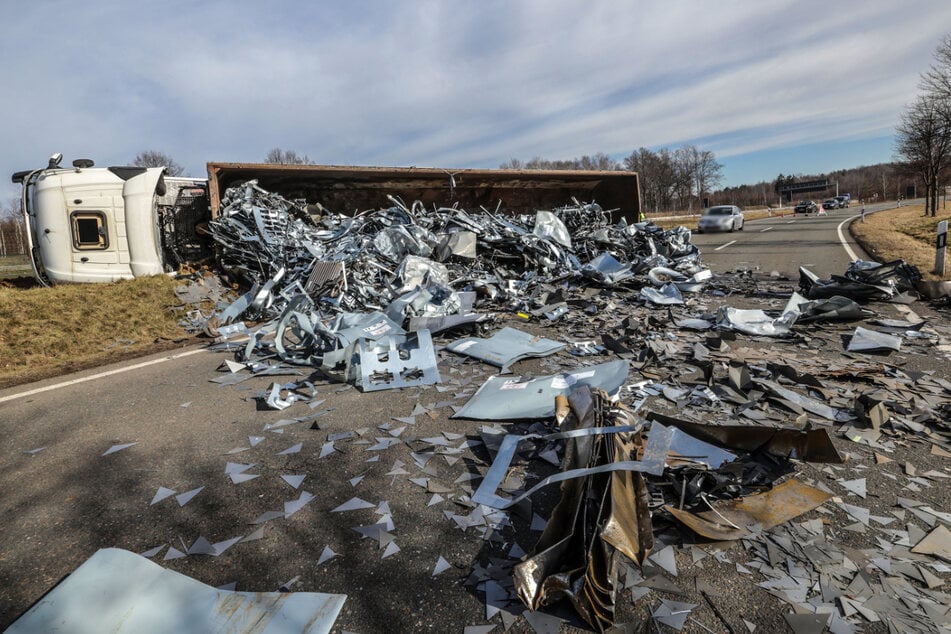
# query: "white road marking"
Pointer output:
{"type": "Point", "coordinates": [766, 229]}
{"type": "Point", "coordinates": [92, 377]}
{"type": "Point", "coordinates": [723, 246]}
{"type": "Point", "coordinates": [845, 245]}
{"type": "Point", "coordinates": [790, 222]}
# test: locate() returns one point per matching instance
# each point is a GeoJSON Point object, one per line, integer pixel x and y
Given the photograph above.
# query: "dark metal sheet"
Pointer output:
{"type": "Point", "coordinates": [813, 445]}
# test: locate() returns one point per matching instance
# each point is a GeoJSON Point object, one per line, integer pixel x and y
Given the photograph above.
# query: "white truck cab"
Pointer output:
{"type": "Point", "coordinates": [89, 224]}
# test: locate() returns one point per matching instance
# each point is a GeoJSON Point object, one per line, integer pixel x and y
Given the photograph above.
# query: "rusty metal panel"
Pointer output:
{"type": "Point", "coordinates": [744, 516]}
{"type": "Point", "coordinates": [348, 189]}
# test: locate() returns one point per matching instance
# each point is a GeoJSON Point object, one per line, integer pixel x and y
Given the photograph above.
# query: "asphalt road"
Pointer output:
{"type": "Point", "coordinates": [785, 242]}
{"type": "Point", "coordinates": [60, 504]}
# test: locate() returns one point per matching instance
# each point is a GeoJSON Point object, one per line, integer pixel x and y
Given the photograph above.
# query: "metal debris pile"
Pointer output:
{"type": "Point", "coordinates": [336, 291]}
{"type": "Point", "coordinates": [865, 281]}
{"type": "Point", "coordinates": [725, 434]}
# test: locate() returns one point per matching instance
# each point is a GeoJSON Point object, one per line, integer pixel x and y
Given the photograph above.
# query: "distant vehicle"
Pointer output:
{"type": "Point", "coordinates": [721, 218]}
{"type": "Point", "coordinates": [830, 204]}
{"type": "Point", "coordinates": [843, 202]}
{"type": "Point", "coordinates": [806, 207]}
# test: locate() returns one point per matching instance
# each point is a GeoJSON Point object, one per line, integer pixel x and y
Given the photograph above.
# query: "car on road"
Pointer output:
{"type": "Point", "coordinates": [806, 207]}
{"type": "Point", "coordinates": [830, 204]}
{"type": "Point", "coordinates": [843, 202]}
{"type": "Point", "coordinates": [721, 218]}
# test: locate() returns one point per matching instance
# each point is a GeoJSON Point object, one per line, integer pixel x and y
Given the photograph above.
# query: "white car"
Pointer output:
{"type": "Point", "coordinates": [721, 218]}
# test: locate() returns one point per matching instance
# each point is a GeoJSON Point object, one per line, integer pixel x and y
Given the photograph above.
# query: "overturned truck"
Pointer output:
{"type": "Point", "coordinates": [100, 224]}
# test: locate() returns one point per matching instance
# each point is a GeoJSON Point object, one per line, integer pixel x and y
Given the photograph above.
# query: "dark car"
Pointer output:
{"type": "Point", "coordinates": [830, 204]}
{"type": "Point", "coordinates": [843, 202]}
{"type": "Point", "coordinates": [806, 207]}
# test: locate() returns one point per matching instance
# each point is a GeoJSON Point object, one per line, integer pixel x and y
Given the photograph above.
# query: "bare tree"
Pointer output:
{"type": "Point", "coordinates": [12, 235]}
{"type": "Point", "coordinates": [934, 114]}
{"type": "Point", "coordinates": [658, 175]}
{"type": "Point", "coordinates": [277, 156]}
{"type": "Point", "coordinates": [599, 161]}
{"type": "Point", "coordinates": [706, 171]}
{"type": "Point", "coordinates": [923, 142]}
{"type": "Point", "coordinates": [154, 158]}
{"type": "Point", "coordinates": [937, 80]}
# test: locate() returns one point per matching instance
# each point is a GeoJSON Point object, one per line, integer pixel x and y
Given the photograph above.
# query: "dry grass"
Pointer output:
{"type": "Point", "coordinates": [51, 331]}
{"type": "Point", "coordinates": [904, 233]}
{"type": "Point", "coordinates": [14, 266]}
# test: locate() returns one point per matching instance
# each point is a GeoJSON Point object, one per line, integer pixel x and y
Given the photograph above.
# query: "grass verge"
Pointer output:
{"type": "Point", "coordinates": [12, 266]}
{"type": "Point", "coordinates": [52, 331]}
{"type": "Point", "coordinates": [903, 233]}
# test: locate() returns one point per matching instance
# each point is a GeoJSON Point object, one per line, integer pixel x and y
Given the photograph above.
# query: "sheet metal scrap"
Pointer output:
{"type": "Point", "coordinates": [119, 591]}
{"type": "Point", "coordinates": [418, 265]}
{"type": "Point", "coordinates": [505, 347]}
{"type": "Point", "coordinates": [260, 232]}
{"type": "Point", "coordinates": [835, 308]}
{"type": "Point", "coordinates": [755, 322]}
{"type": "Point", "coordinates": [865, 340]}
{"type": "Point", "coordinates": [735, 519]}
{"type": "Point", "coordinates": [898, 274]}
{"type": "Point", "coordinates": [597, 518]}
{"type": "Point", "coordinates": [812, 445]}
{"type": "Point", "coordinates": [506, 398]}
{"type": "Point", "coordinates": [397, 361]}
{"type": "Point", "coordinates": [863, 281]}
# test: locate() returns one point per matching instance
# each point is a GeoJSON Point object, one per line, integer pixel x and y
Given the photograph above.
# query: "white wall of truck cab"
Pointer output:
{"type": "Point", "coordinates": [97, 224]}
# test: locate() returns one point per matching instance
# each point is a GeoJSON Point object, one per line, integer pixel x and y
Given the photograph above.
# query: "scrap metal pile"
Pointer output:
{"type": "Point", "coordinates": [361, 297]}
{"type": "Point", "coordinates": [342, 293]}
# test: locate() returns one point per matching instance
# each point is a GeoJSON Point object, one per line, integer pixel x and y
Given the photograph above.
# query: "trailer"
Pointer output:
{"type": "Point", "coordinates": [349, 190]}
{"type": "Point", "coordinates": [101, 224]}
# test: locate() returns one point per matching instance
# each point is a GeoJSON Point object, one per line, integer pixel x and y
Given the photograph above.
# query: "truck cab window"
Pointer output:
{"type": "Point", "coordinates": [89, 230]}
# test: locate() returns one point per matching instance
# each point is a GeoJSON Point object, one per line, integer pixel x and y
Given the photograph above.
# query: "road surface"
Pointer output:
{"type": "Point", "coordinates": [783, 243]}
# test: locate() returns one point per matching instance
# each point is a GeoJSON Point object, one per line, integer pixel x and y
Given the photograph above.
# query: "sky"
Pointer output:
{"type": "Point", "coordinates": [777, 86]}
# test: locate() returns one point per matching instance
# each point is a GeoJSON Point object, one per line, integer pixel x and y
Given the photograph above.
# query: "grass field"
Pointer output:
{"type": "Point", "coordinates": [51, 331]}
{"type": "Point", "coordinates": [903, 233]}
{"type": "Point", "coordinates": [12, 266]}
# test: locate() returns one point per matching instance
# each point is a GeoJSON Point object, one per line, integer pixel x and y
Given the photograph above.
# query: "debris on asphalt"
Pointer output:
{"type": "Point", "coordinates": [863, 281]}
{"type": "Point", "coordinates": [116, 448]}
{"type": "Point", "coordinates": [671, 405]}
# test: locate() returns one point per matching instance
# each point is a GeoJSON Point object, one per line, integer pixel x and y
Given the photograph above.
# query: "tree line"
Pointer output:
{"type": "Point", "coordinates": [12, 229]}
{"type": "Point", "coordinates": [923, 134]}
{"type": "Point", "coordinates": [682, 178]}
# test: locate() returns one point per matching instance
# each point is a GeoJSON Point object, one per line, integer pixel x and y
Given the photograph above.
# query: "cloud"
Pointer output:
{"type": "Point", "coordinates": [453, 84]}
